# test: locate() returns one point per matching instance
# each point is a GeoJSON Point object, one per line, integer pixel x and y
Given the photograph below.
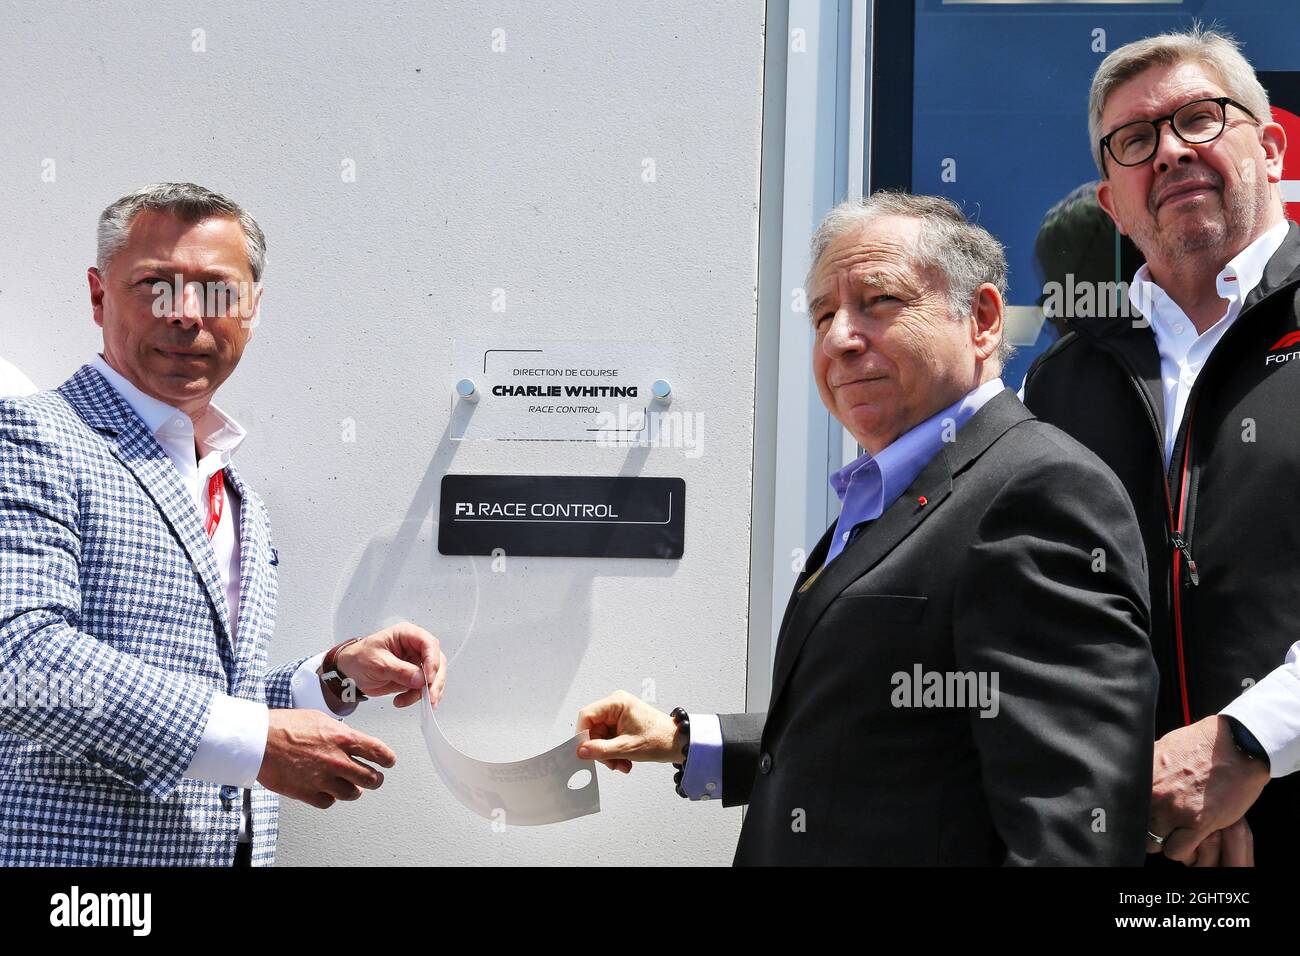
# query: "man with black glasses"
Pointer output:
{"type": "Point", "coordinates": [1195, 404]}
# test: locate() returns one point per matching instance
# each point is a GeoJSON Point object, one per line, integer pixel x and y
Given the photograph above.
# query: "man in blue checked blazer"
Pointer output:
{"type": "Point", "coordinates": [139, 724]}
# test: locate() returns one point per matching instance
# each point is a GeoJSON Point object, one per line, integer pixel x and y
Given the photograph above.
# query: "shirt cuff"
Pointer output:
{"type": "Point", "coordinates": [307, 692]}
{"type": "Point", "coordinates": [702, 775]}
{"type": "Point", "coordinates": [1271, 711]}
{"type": "Point", "coordinates": [233, 744]}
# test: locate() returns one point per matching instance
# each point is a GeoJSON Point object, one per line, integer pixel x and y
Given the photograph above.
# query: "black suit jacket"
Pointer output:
{"type": "Point", "coordinates": [1024, 563]}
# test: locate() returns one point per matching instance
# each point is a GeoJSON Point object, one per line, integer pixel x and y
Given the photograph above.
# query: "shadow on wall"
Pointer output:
{"type": "Point", "coordinates": [514, 629]}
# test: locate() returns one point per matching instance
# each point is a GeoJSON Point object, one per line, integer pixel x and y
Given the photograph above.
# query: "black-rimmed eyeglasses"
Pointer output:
{"type": "Point", "coordinates": [1198, 122]}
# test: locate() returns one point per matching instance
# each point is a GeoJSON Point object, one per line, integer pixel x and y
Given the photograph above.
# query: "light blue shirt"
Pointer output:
{"type": "Point", "coordinates": [865, 487]}
{"type": "Point", "coordinates": [871, 483]}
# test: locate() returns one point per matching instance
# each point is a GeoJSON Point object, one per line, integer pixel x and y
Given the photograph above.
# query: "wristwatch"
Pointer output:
{"type": "Point", "coordinates": [1246, 742]}
{"type": "Point", "coordinates": [683, 722]}
{"type": "Point", "coordinates": [334, 679]}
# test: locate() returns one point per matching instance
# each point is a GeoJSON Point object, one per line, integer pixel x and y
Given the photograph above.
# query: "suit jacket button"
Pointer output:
{"type": "Point", "coordinates": [765, 763]}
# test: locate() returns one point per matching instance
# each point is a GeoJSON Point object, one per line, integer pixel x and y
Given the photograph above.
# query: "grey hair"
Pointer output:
{"type": "Point", "coordinates": [966, 255]}
{"type": "Point", "coordinates": [186, 201]}
{"type": "Point", "coordinates": [1214, 49]}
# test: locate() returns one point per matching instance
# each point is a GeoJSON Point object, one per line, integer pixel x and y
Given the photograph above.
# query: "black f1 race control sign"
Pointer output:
{"type": "Point", "coordinates": [562, 516]}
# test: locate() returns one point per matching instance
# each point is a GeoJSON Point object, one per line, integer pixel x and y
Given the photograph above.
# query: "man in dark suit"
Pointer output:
{"type": "Point", "coordinates": [963, 673]}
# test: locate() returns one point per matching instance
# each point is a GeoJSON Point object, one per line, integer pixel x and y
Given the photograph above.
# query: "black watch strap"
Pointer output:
{"type": "Point", "coordinates": [683, 722]}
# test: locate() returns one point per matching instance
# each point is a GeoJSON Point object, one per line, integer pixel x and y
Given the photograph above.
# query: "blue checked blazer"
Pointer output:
{"type": "Point", "coordinates": [108, 581]}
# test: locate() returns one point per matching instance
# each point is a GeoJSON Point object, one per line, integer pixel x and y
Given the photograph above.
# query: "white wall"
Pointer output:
{"type": "Point", "coordinates": [474, 170]}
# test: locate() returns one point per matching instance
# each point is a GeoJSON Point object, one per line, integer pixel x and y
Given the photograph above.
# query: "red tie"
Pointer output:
{"type": "Point", "coordinates": [216, 501]}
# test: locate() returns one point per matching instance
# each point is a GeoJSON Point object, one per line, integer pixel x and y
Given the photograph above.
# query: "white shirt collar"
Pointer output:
{"type": "Point", "coordinates": [1248, 265]}
{"type": "Point", "coordinates": [1235, 282]}
{"type": "Point", "coordinates": [216, 432]}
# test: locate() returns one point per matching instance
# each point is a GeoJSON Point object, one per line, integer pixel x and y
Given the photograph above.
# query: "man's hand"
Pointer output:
{"type": "Point", "coordinates": [1200, 784]}
{"type": "Point", "coordinates": [312, 758]}
{"type": "Point", "coordinates": [396, 660]}
{"type": "Point", "coordinates": [626, 730]}
{"type": "Point", "coordinates": [1234, 846]}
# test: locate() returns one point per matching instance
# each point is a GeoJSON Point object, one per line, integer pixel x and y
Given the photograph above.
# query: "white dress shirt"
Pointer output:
{"type": "Point", "coordinates": [1271, 708]}
{"type": "Point", "coordinates": [1182, 351]}
{"type": "Point", "coordinates": [13, 381]}
{"type": "Point", "coordinates": [234, 738]}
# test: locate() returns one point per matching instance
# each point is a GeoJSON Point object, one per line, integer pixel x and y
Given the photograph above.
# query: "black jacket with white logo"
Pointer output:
{"type": "Point", "coordinates": [1222, 527]}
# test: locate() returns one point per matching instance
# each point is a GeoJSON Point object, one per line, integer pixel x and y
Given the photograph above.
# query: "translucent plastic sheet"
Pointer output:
{"type": "Point", "coordinates": [549, 788]}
